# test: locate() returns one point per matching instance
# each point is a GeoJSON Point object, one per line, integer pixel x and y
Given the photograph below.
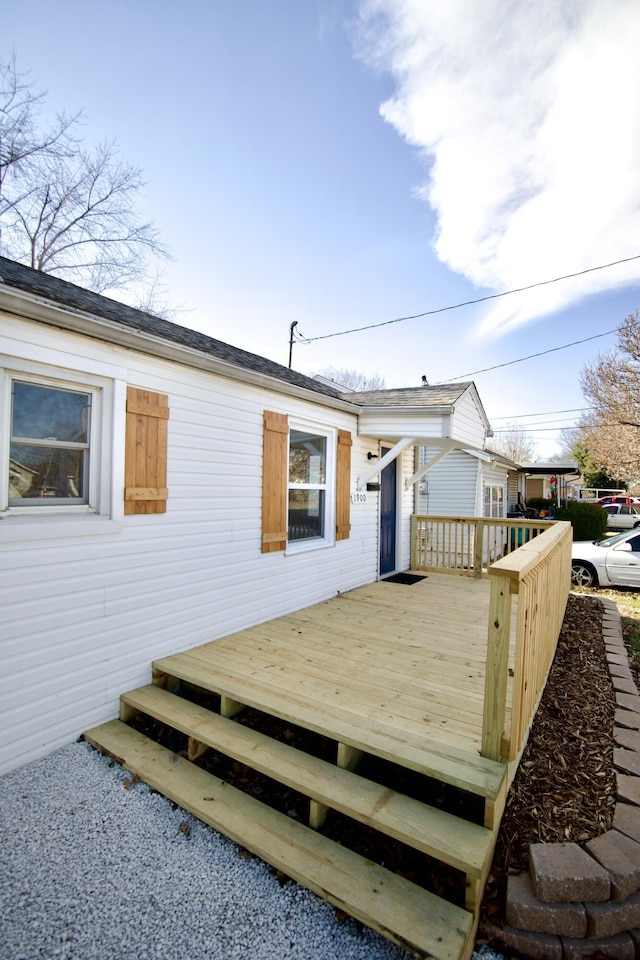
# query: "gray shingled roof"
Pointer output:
{"type": "Point", "coordinates": [71, 297]}
{"type": "Point", "coordinates": [441, 395]}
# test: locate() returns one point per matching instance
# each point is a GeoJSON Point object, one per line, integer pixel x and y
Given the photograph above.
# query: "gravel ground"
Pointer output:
{"type": "Point", "coordinates": [90, 870]}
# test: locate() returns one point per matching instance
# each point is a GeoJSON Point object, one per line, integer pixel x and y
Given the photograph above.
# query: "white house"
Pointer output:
{"type": "Point", "coordinates": [159, 489]}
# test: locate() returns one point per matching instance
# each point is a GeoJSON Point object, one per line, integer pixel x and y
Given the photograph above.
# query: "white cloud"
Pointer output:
{"type": "Point", "coordinates": [529, 117]}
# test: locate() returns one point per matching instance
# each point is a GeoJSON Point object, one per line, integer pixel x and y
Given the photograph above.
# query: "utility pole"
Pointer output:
{"type": "Point", "coordinates": [291, 329]}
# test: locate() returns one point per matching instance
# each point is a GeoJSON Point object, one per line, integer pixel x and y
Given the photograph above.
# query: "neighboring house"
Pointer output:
{"type": "Point", "coordinates": [470, 483]}
{"type": "Point", "coordinates": [553, 480]}
{"type": "Point", "coordinates": [159, 489]}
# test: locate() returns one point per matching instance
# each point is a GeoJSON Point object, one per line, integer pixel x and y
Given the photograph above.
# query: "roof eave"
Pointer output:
{"type": "Point", "coordinates": [30, 307]}
{"type": "Point", "coordinates": [440, 410]}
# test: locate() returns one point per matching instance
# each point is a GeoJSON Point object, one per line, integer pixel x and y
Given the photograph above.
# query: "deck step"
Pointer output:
{"type": "Point", "coordinates": [463, 770]}
{"type": "Point", "coordinates": [449, 839]}
{"type": "Point", "coordinates": [412, 917]}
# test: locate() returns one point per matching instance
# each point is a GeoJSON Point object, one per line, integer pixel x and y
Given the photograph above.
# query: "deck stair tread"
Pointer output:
{"type": "Point", "coordinates": [405, 913]}
{"type": "Point", "coordinates": [466, 846]}
{"type": "Point", "coordinates": [460, 768]}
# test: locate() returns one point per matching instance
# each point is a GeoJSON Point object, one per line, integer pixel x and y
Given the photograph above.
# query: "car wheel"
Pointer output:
{"type": "Point", "coordinates": [583, 575]}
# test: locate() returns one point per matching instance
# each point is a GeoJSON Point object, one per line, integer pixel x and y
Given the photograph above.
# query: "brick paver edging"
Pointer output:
{"type": "Point", "coordinates": [583, 901]}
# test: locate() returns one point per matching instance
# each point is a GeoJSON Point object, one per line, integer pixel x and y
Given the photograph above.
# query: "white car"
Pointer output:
{"type": "Point", "coordinates": [622, 516]}
{"type": "Point", "coordinates": [614, 561]}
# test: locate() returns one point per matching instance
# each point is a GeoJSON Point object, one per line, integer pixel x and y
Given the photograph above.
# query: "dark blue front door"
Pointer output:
{"type": "Point", "coordinates": [388, 507]}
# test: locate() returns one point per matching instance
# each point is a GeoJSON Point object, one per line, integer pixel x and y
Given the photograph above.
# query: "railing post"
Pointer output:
{"type": "Point", "coordinates": [495, 689]}
{"type": "Point", "coordinates": [414, 542]}
{"type": "Point", "coordinates": [479, 548]}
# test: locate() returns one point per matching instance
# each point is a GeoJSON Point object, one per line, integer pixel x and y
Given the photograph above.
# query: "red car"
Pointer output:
{"type": "Point", "coordinates": [604, 500]}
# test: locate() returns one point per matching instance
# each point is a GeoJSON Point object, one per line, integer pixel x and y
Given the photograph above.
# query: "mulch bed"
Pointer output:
{"type": "Point", "coordinates": [564, 789]}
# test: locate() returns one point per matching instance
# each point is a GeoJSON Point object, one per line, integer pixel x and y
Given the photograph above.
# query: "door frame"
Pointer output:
{"type": "Point", "coordinates": [391, 466]}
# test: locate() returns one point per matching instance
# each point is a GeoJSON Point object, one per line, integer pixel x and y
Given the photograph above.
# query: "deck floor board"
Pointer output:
{"type": "Point", "coordinates": [406, 663]}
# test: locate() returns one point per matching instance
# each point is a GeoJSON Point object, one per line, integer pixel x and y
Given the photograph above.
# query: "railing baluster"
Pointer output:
{"type": "Point", "coordinates": [533, 561]}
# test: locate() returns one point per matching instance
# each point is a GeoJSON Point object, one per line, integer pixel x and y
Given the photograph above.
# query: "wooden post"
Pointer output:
{"type": "Point", "coordinates": [229, 707]}
{"type": "Point", "coordinates": [317, 814]}
{"type": "Point", "coordinates": [348, 757]}
{"type": "Point", "coordinates": [495, 689]}
{"type": "Point", "coordinates": [477, 561]}
{"type": "Point", "coordinates": [195, 749]}
{"type": "Point", "coordinates": [414, 542]}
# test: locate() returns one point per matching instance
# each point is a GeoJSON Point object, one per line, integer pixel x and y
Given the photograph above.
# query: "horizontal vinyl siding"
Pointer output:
{"type": "Point", "coordinates": [468, 424]}
{"type": "Point", "coordinates": [396, 426]}
{"type": "Point", "coordinates": [84, 616]}
{"type": "Point", "coordinates": [495, 475]}
{"type": "Point", "coordinates": [451, 485]}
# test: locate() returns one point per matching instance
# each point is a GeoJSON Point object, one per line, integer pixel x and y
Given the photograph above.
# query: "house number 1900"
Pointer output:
{"type": "Point", "coordinates": [359, 497]}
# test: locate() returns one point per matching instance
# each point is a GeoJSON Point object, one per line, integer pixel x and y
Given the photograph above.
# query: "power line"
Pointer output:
{"type": "Point", "coordinates": [531, 356]}
{"type": "Point", "coordinates": [534, 429]}
{"type": "Point", "coordinates": [467, 303]}
{"type": "Point", "coordinates": [531, 426]}
{"type": "Point", "coordinates": [544, 413]}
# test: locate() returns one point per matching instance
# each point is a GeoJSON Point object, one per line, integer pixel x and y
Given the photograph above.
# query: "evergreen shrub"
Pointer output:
{"type": "Point", "coordinates": [589, 520]}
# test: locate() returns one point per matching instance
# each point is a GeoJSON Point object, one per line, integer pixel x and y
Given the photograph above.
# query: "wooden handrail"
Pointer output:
{"type": "Point", "coordinates": [467, 545]}
{"type": "Point", "coordinates": [539, 572]}
{"type": "Point", "coordinates": [530, 559]}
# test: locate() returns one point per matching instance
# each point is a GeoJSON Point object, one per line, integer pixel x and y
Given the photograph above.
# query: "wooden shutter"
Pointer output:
{"type": "Point", "coordinates": [274, 481]}
{"type": "Point", "coordinates": [145, 458]}
{"type": "Point", "coordinates": [343, 486]}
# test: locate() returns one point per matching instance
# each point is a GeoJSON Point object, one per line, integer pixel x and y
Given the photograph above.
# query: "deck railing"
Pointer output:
{"type": "Point", "coordinates": [467, 545]}
{"type": "Point", "coordinates": [539, 573]}
{"type": "Point", "coordinates": [530, 559]}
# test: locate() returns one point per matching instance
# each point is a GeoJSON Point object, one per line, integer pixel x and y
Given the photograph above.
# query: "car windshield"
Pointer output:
{"type": "Point", "coordinates": [614, 541]}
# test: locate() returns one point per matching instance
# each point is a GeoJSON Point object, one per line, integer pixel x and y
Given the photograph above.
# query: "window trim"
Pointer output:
{"type": "Point", "coordinates": [330, 436]}
{"type": "Point", "coordinates": [499, 503]}
{"type": "Point", "coordinates": [275, 483]}
{"type": "Point", "coordinates": [107, 387]}
{"type": "Point", "coordinates": [88, 446]}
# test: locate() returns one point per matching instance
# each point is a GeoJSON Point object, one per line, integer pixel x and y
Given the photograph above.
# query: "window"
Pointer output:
{"type": "Point", "coordinates": [493, 501]}
{"type": "Point", "coordinates": [68, 440]}
{"type": "Point", "coordinates": [307, 485]}
{"type": "Point", "coordinates": [306, 481]}
{"type": "Point", "coordinates": [49, 454]}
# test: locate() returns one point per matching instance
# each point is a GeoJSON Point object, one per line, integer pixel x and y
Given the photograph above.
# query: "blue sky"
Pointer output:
{"type": "Point", "coordinates": [343, 163]}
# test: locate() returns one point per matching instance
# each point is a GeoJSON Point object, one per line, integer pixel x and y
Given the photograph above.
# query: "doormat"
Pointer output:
{"type": "Point", "coordinates": [407, 578]}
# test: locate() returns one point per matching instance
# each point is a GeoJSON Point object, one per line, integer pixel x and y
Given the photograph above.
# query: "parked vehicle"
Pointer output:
{"type": "Point", "coordinates": [603, 501]}
{"type": "Point", "coordinates": [614, 561]}
{"type": "Point", "coordinates": [623, 516]}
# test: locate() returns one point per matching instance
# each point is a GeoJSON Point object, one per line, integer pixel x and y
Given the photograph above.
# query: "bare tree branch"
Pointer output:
{"type": "Point", "coordinates": [352, 379]}
{"type": "Point", "coordinates": [515, 443]}
{"type": "Point", "coordinates": [610, 429]}
{"type": "Point", "coordinates": [67, 209]}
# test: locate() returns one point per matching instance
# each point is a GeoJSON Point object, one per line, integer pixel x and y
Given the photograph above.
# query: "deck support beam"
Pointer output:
{"type": "Point", "coordinates": [348, 757]}
{"type": "Point", "coordinates": [229, 708]}
{"type": "Point", "coordinates": [195, 749]}
{"type": "Point", "coordinates": [160, 678]}
{"type": "Point", "coordinates": [317, 814]}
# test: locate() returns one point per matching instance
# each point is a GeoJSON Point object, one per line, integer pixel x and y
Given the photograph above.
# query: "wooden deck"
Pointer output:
{"type": "Point", "coordinates": [405, 663]}
{"type": "Point", "coordinates": [389, 671]}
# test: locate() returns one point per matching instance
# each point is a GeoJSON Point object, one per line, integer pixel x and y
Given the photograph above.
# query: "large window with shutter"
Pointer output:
{"type": "Point", "coordinates": [66, 439]}
{"type": "Point", "coordinates": [305, 485]}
